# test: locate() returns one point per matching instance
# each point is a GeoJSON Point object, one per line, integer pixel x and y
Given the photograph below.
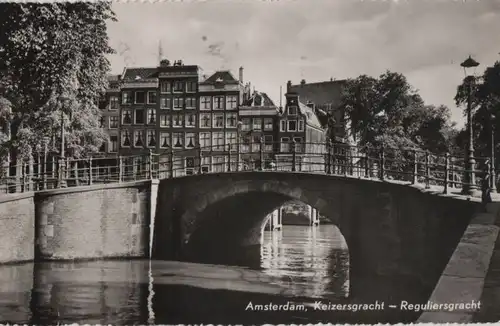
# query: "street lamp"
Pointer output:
{"type": "Point", "coordinates": [469, 186]}
{"type": "Point", "coordinates": [62, 178]}
{"type": "Point", "coordinates": [493, 172]}
{"type": "Point", "coordinates": [238, 148]}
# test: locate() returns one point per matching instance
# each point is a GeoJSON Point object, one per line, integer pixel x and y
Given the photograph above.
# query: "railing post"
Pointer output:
{"type": "Point", "coordinates": [150, 164]}
{"type": "Point", "coordinates": [229, 158]}
{"type": "Point", "coordinates": [486, 184]}
{"type": "Point", "coordinates": [346, 160]}
{"type": "Point", "coordinates": [427, 170]}
{"type": "Point", "coordinates": [294, 156]}
{"type": "Point", "coordinates": [261, 153]}
{"type": "Point", "coordinates": [238, 154]}
{"type": "Point", "coordinates": [446, 172]}
{"type": "Point", "coordinates": [90, 170]}
{"type": "Point", "coordinates": [329, 156]}
{"type": "Point", "coordinates": [200, 160]}
{"type": "Point", "coordinates": [120, 168]}
{"type": "Point", "coordinates": [23, 176]}
{"type": "Point", "coordinates": [382, 163]}
{"type": "Point", "coordinates": [171, 155]}
{"type": "Point", "coordinates": [415, 168]}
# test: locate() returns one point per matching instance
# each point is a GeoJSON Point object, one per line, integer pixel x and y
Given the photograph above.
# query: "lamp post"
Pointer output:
{"type": "Point", "coordinates": [62, 159]}
{"type": "Point", "coordinates": [238, 148]}
{"type": "Point", "coordinates": [493, 172]}
{"type": "Point", "coordinates": [469, 186]}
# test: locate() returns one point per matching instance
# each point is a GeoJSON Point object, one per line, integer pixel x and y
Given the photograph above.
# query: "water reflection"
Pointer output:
{"type": "Point", "coordinates": [312, 261]}
{"type": "Point", "coordinates": [297, 264]}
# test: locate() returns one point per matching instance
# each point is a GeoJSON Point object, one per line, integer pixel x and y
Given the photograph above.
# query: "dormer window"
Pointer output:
{"type": "Point", "coordinates": [292, 110]}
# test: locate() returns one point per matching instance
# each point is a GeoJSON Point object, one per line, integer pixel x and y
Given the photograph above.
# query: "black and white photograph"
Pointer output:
{"type": "Point", "coordinates": [249, 162]}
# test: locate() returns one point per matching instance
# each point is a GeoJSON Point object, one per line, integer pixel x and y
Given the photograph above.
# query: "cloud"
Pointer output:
{"type": "Point", "coordinates": [316, 40]}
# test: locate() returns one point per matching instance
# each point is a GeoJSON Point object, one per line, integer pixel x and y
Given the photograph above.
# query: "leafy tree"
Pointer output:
{"type": "Point", "coordinates": [53, 57]}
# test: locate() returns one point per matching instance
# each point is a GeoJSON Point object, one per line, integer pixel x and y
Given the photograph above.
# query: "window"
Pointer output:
{"type": "Point", "coordinates": [231, 120]}
{"type": "Point", "coordinates": [190, 103]}
{"type": "Point", "coordinates": [164, 139]}
{"type": "Point", "coordinates": [283, 125]}
{"type": "Point", "coordinates": [205, 103]}
{"type": "Point", "coordinates": [292, 125]}
{"type": "Point", "coordinates": [246, 124]}
{"type": "Point", "coordinates": [127, 97]}
{"type": "Point", "coordinates": [218, 120]}
{"type": "Point", "coordinates": [102, 122]}
{"type": "Point", "coordinates": [151, 116]}
{"type": "Point", "coordinates": [178, 86]}
{"type": "Point", "coordinates": [218, 163]}
{"type": "Point", "coordinates": [177, 120]}
{"type": "Point", "coordinates": [268, 124]}
{"type": "Point", "coordinates": [151, 138]}
{"type": "Point", "coordinates": [268, 143]}
{"type": "Point", "coordinates": [245, 145]}
{"type": "Point", "coordinates": [191, 87]}
{"type": "Point", "coordinates": [205, 140]}
{"type": "Point", "coordinates": [190, 140]}
{"type": "Point", "coordinates": [257, 124]}
{"type": "Point", "coordinates": [102, 149]}
{"type": "Point", "coordinates": [231, 102]}
{"type": "Point", "coordinates": [205, 120]}
{"type": "Point", "coordinates": [113, 103]}
{"type": "Point", "coordinates": [113, 122]}
{"type": "Point", "coordinates": [126, 117]}
{"type": "Point", "coordinates": [190, 120]}
{"type": "Point", "coordinates": [292, 110]}
{"type": "Point", "coordinates": [165, 87]}
{"type": "Point", "coordinates": [177, 140]}
{"type": "Point", "coordinates": [113, 144]}
{"type": "Point", "coordinates": [165, 121]}
{"type": "Point", "coordinates": [285, 144]}
{"type": "Point", "coordinates": [205, 164]}
{"type": "Point", "coordinates": [178, 103]}
{"type": "Point", "coordinates": [139, 116]}
{"type": "Point", "coordinates": [218, 102]}
{"type": "Point", "coordinates": [218, 141]}
{"type": "Point", "coordinates": [165, 102]}
{"type": "Point", "coordinates": [190, 165]}
{"type": "Point", "coordinates": [301, 125]}
{"type": "Point", "coordinates": [125, 138]}
{"type": "Point", "coordinates": [140, 97]}
{"type": "Point", "coordinates": [152, 97]}
{"type": "Point", "coordinates": [232, 139]}
{"type": "Point", "coordinates": [256, 140]}
{"type": "Point", "coordinates": [138, 141]}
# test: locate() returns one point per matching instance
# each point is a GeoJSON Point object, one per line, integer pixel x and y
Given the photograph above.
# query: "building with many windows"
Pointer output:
{"type": "Point", "coordinates": [258, 130]}
{"type": "Point", "coordinates": [325, 97]}
{"type": "Point", "coordinates": [221, 95]}
{"type": "Point", "coordinates": [110, 116]}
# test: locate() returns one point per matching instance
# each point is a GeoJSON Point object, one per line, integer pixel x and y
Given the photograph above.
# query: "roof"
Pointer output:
{"type": "Point", "coordinates": [140, 73]}
{"type": "Point", "coordinates": [223, 76]}
{"type": "Point", "coordinates": [321, 93]}
{"type": "Point", "coordinates": [311, 117]}
{"type": "Point", "coordinates": [259, 99]}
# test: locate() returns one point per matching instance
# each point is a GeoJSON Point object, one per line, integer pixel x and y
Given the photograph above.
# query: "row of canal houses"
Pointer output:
{"type": "Point", "coordinates": [174, 110]}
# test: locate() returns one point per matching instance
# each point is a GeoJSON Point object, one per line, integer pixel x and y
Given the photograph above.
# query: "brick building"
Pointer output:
{"type": "Point", "coordinates": [258, 127]}
{"type": "Point", "coordinates": [221, 94]}
{"type": "Point", "coordinates": [110, 116]}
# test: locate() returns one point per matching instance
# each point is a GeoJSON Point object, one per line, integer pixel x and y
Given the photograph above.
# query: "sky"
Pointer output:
{"type": "Point", "coordinates": [316, 40]}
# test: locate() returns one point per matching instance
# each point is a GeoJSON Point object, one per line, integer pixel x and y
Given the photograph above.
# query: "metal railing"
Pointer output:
{"type": "Point", "coordinates": [383, 163]}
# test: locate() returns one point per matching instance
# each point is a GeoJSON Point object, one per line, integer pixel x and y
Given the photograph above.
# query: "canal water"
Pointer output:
{"type": "Point", "coordinates": [295, 268]}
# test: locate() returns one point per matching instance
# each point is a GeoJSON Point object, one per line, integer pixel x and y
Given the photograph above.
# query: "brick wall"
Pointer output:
{"type": "Point", "coordinates": [17, 220]}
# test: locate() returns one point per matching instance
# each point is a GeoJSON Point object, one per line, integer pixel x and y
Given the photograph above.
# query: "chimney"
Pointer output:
{"type": "Point", "coordinates": [289, 86]}
{"type": "Point", "coordinates": [241, 75]}
{"type": "Point", "coordinates": [303, 82]}
{"type": "Point", "coordinates": [164, 63]}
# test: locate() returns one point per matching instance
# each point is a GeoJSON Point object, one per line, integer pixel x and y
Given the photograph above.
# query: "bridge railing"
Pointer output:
{"type": "Point", "coordinates": [384, 163]}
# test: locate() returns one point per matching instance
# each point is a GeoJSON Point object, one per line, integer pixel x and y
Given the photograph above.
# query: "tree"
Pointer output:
{"type": "Point", "coordinates": [388, 111]}
{"type": "Point", "coordinates": [485, 103]}
{"type": "Point", "coordinates": [47, 52]}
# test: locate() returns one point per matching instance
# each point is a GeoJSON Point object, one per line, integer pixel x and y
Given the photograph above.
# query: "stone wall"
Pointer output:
{"type": "Point", "coordinates": [94, 222]}
{"type": "Point", "coordinates": [17, 221]}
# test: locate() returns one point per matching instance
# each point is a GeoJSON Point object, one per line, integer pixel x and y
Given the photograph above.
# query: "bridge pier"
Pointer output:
{"type": "Point", "coordinates": [313, 216]}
